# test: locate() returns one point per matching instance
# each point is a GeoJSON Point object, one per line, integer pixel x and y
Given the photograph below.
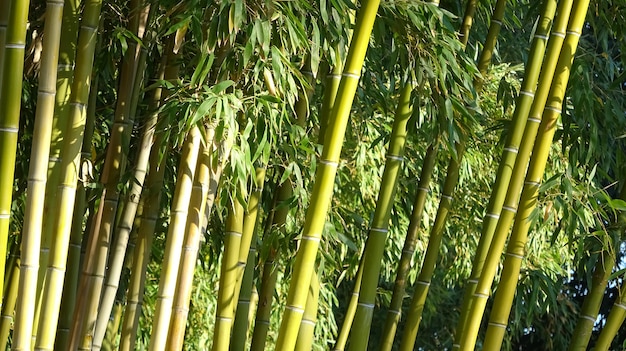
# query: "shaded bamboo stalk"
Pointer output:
{"type": "Point", "coordinates": [377, 236]}
{"type": "Point", "coordinates": [247, 250]}
{"type": "Point", "coordinates": [228, 277]}
{"type": "Point", "coordinates": [489, 45]}
{"type": "Point", "coordinates": [544, 133]}
{"type": "Point", "coordinates": [276, 219]}
{"type": "Point", "coordinates": [65, 73]}
{"type": "Point", "coordinates": [10, 296]}
{"type": "Point", "coordinates": [125, 224]}
{"type": "Point", "coordinates": [37, 177]}
{"type": "Point", "coordinates": [509, 153]}
{"type": "Point", "coordinates": [4, 22]}
{"type": "Point", "coordinates": [70, 284]}
{"type": "Point", "coordinates": [10, 103]}
{"type": "Point", "coordinates": [395, 307]}
{"type": "Point", "coordinates": [114, 166]}
{"type": "Point", "coordinates": [150, 207]}
{"type": "Point", "coordinates": [326, 171]}
{"type": "Point", "coordinates": [174, 241]}
{"type": "Point", "coordinates": [468, 20]}
{"type": "Point", "coordinates": [208, 174]}
{"type": "Point", "coordinates": [593, 300]}
{"type": "Point", "coordinates": [414, 314]}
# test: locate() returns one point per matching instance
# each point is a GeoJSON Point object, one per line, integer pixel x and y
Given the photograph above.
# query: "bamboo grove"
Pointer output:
{"type": "Point", "coordinates": [328, 175]}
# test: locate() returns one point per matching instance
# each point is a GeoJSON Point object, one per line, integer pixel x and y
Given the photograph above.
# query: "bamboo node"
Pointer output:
{"type": "Point", "coordinates": [15, 46]}
{"type": "Point", "coordinates": [481, 295]}
{"type": "Point", "coordinates": [498, 22]}
{"type": "Point", "coordinates": [329, 163]}
{"type": "Point", "coordinates": [421, 282]}
{"type": "Point", "coordinates": [534, 119]}
{"type": "Point", "coordinates": [237, 234]}
{"type": "Point", "coordinates": [348, 75]}
{"type": "Point", "coordinates": [510, 209]}
{"type": "Point", "coordinates": [573, 33]}
{"type": "Point", "coordinates": [588, 317]}
{"type": "Point", "coordinates": [447, 197]}
{"type": "Point", "coordinates": [366, 305]}
{"type": "Point", "coordinates": [497, 325]}
{"type": "Point", "coordinates": [619, 305]}
{"type": "Point", "coordinates": [472, 281]}
{"type": "Point", "coordinates": [311, 238]}
{"type": "Point", "coordinates": [558, 34]}
{"type": "Point", "coordinates": [514, 255]}
{"type": "Point", "coordinates": [9, 129]}
{"type": "Point", "coordinates": [5, 216]}
{"type": "Point", "coordinates": [527, 93]}
{"type": "Point", "coordinates": [553, 109]}
{"type": "Point", "coordinates": [541, 36]}
{"type": "Point", "coordinates": [308, 321]}
{"type": "Point", "coordinates": [531, 183]}
{"type": "Point", "coordinates": [394, 312]}
{"type": "Point", "coordinates": [396, 157]}
{"type": "Point", "coordinates": [493, 215]}
{"type": "Point", "coordinates": [379, 230]}
{"type": "Point", "coordinates": [423, 189]}
{"type": "Point", "coordinates": [295, 309]}
{"type": "Point", "coordinates": [511, 149]}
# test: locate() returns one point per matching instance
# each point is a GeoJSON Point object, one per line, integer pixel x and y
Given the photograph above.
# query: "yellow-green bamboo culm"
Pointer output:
{"type": "Point", "coordinates": [414, 314]}
{"type": "Point", "coordinates": [4, 22]}
{"type": "Point", "coordinates": [37, 177]}
{"type": "Point", "coordinates": [489, 44]}
{"type": "Point", "coordinates": [174, 241]}
{"type": "Point", "coordinates": [114, 166]}
{"type": "Point", "coordinates": [468, 20]}
{"type": "Point", "coordinates": [228, 277]}
{"type": "Point", "coordinates": [554, 90]}
{"type": "Point", "coordinates": [375, 247]}
{"type": "Point", "coordinates": [509, 153]}
{"type": "Point", "coordinates": [276, 219]}
{"type": "Point", "coordinates": [325, 176]}
{"type": "Point", "coordinates": [613, 322]}
{"type": "Point", "coordinates": [591, 304]}
{"type": "Point", "coordinates": [193, 233]}
{"type": "Point", "coordinates": [10, 102]}
{"type": "Point", "coordinates": [246, 250]}
{"type": "Point", "coordinates": [344, 333]}
{"type": "Point", "coordinates": [309, 318]}
{"type": "Point", "coordinates": [395, 307]}
{"type": "Point", "coordinates": [150, 209]}
{"type": "Point", "coordinates": [10, 296]}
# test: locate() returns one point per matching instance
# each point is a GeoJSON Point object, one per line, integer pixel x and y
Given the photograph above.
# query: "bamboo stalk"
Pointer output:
{"type": "Point", "coordinates": [5, 5]}
{"type": "Point", "coordinates": [276, 219]}
{"type": "Point", "coordinates": [10, 101]}
{"type": "Point", "coordinates": [322, 190]}
{"type": "Point", "coordinates": [519, 235]}
{"type": "Point", "coordinates": [490, 42]}
{"type": "Point", "coordinates": [37, 176]}
{"type": "Point", "coordinates": [414, 315]}
{"type": "Point", "coordinates": [124, 226]}
{"type": "Point", "coordinates": [330, 93]}
{"type": "Point", "coordinates": [613, 322]}
{"type": "Point", "coordinates": [593, 300]}
{"type": "Point", "coordinates": [395, 307]}
{"type": "Point", "coordinates": [509, 153]}
{"type": "Point", "coordinates": [309, 318]}
{"type": "Point", "coordinates": [174, 241]}
{"type": "Point", "coordinates": [114, 166]}
{"type": "Point", "coordinates": [246, 250]}
{"type": "Point", "coordinates": [70, 284]}
{"type": "Point", "coordinates": [228, 277]}
{"type": "Point", "coordinates": [468, 20]}
{"type": "Point", "coordinates": [544, 134]}
{"type": "Point", "coordinates": [10, 296]}
{"type": "Point", "coordinates": [375, 247]}
{"type": "Point", "coordinates": [344, 333]}
{"type": "Point", "coordinates": [208, 174]}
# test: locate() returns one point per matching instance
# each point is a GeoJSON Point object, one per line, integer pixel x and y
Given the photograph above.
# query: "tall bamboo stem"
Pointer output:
{"type": "Point", "coordinates": [5, 5]}
{"type": "Point", "coordinates": [544, 134]}
{"type": "Point", "coordinates": [174, 241]}
{"type": "Point", "coordinates": [395, 308]}
{"type": "Point", "coordinates": [375, 247]}
{"type": "Point", "coordinates": [323, 188]}
{"type": "Point", "coordinates": [309, 318]}
{"type": "Point", "coordinates": [10, 296]}
{"type": "Point", "coordinates": [37, 176]}
{"type": "Point", "coordinates": [613, 322]}
{"type": "Point", "coordinates": [509, 153]}
{"type": "Point", "coordinates": [10, 101]}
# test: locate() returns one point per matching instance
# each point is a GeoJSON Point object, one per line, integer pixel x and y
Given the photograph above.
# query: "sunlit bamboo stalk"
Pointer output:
{"type": "Point", "coordinates": [509, 153]}
{"type": "Point", "coordinates": [4, 22]}
{"type": "Point", "coordinates": [323, 188]}
{"type": "Point", "coordinates": [377, 236]}
{"type": "Point", "coordinates": [10, 296]}
{"type": "Point", "coordinates": [309, 318]}
{"type": "Point", "coordinates": [613, 322]}
{"type": "Point", "coordinates": [10, 102]}
{"type": "Point", "coordinates": [174, 240]}
{"type": "Point", "coordinates": [552, 84]}
{"type": "Point", "coordinates": [37, 177]}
